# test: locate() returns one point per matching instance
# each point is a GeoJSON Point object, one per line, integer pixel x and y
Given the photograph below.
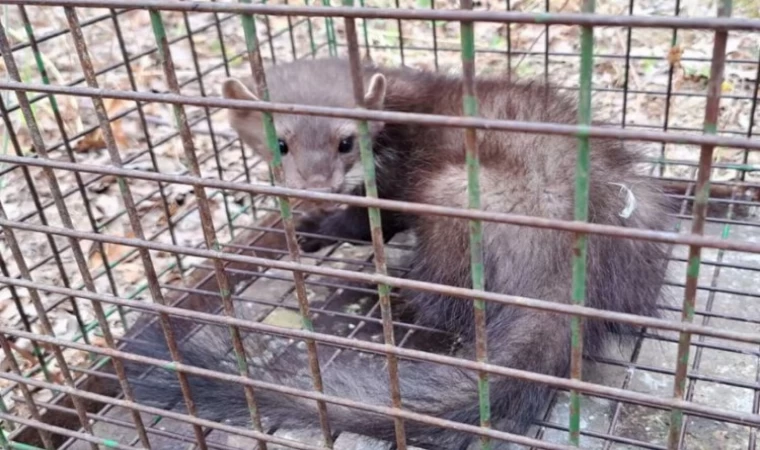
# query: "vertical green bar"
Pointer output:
{"type": "Point", "coordinates": [277, 176]}
{"type": "Point", "coordinates": [470, 105]}
{"type": "Point", "coordinates": [366, 33]}
{"type": "Point", "coordinates": [378, 240]}
{"type": "Point", "coordinates": [581, 215]}
{"type": "Point", "coordinates": [330, 30]}
{"type": "Point", "coordinates": [275, 167]}
{"type": "Point", "coordinates": [699, 215]}
{"type": "Point", "coordinates": [4, 424]}
{"type": "Point", "coordinates": [251, 42]}
{"type": "Point", "coordinates": [310, 29]}
{"type": "Point", "coordinates": [4, 443]}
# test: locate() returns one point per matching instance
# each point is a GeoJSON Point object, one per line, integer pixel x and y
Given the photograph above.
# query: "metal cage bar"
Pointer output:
{"type": "Point", "coordinates": [368, 166]}
{"type": "Point", "coordinates": [702, 191]}
{"type": "Point", "coordinates": [581, 214]}
{"type": "Point", "coordinates": [231, 270]}
{"type": "Point", "coordinates": [278, 177]}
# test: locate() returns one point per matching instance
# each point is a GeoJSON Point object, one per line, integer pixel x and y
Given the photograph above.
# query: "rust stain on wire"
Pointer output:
{"type": "Point", "coordinates": [712, 23]}
{"type": "Point", "coordinates": [702, 194]}
{"type": "Point", "coordinates": [747, 419]}
{"type": "Point", "coordinates": [395, 117]}
{"type": "Point", "coordinates": [408, 207]}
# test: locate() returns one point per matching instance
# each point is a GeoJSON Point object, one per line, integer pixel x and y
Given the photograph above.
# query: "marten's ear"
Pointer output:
{"type": "Point", "coordinates": [234, 89]}
{"type": "Point", "coordinates": [246, 123]}
{"type": "Point", "coordinates": [375, 96]}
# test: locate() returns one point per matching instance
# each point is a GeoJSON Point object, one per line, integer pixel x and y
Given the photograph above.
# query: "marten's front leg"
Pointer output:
{"type": "Point", "coordinates": [351, 223]}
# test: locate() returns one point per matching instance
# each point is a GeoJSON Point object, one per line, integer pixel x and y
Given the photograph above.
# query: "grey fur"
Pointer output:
{"type": "Point", "coordinates": [521, 173]}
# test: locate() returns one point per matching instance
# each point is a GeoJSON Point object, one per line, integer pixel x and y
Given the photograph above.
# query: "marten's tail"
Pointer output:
{"type": "Point", "coordinates": [441, 391]}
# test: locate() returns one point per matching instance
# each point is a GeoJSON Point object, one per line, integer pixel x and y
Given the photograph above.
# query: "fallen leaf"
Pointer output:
{"type": "Point", "coordinates": [57, 376]}
{"type": "Point", "coordinates": [726, 86]}
{"type": "Point", "coordinates": [174, 207]}
{"type": "Point", "coordinates": [173, 277]}
{"type": "Point", "coordinates": [95, 140]}
{"type": "Point", "coordinates": [132, 272]}
{"type": "Point", "coordinates": [91, 142]}
{"type": "Point", "coordinates": [98, 341]}
{"type": "Point", "coordinates": [674, 55]}
{"type": "Point", "coordinates": [24, 349]}
{"type": "Point", "coordinates": [113, 252]}
{"type": "Point", "coordinates": [112, 106]}
{"type": "Point", "coordinates": [101, 185]}
{"type": "Point", "coordinates": [284, 318]}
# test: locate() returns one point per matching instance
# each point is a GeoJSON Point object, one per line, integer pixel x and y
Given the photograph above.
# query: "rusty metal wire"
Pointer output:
{"type": "Point", "coordinates": [256, 243]}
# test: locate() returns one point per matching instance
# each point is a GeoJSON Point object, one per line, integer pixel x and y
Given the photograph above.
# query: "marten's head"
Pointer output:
{"type": "Point", "coordinates": [318, 153]}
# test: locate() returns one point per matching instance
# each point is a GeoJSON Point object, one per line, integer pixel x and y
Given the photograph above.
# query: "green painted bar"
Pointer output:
{"type": "Point", "coordinates": [332, 43]}
{"type": "Point", "coordinates": [699, 214]}
{"type": "Point", "coordinates": [4, 424]}
{"type": "Point", "coordinates": [19, 446]}
{"type": "Point", "coordinates": [470, 106]}
{"type": "Point", "coordinates": [310, 29]}
{"type": "Point", "coordinates": [364, 30]}
{"type": "Point", "coordinates": [581, 215]}
{"type": "Point", "coordinates": [4, 443]}
{"type": "Point", "coordinates": [277, 177]}
{"type": "Point", "coordinates": [378, 243]}
{"type": "Point", "coordinates": [160, 36]}
{"type": "Point", "coordinates": [249, 30]}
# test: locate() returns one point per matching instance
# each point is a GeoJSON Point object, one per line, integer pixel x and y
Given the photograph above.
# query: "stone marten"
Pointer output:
{"type": "Point", "coordinates": [529, 174]}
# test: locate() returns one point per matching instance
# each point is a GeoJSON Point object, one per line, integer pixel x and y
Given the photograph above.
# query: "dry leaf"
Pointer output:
{"type": "Point", "coordinates": [173, 277]}
{"type": "Point", "coordinates": [101, 185]}
{"type": "Point", "coordinates": [95, 141]}
{"type": "Point", "coordinates": [91, 142]}
{"type": "Point", "coordinates": [98, 341]}
{"type": "Point", "coordinates": [23, 348]}
{"type": "Point", "coordinates": [674, 55]}
{"type": "Point", "coordinates": [132, 272]}
{"type": "Point", "coordinates": [57, 376]}
{"type": "Point", "coordinates": [113, 252]}
{"type": "Point", "coordinates": [173, 209]}
{"type": "Point", "coordinates": [112, 105]}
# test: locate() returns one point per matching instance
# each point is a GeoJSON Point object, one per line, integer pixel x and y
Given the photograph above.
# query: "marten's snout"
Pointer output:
{"type": "Point", "coordinates": [318, 183]}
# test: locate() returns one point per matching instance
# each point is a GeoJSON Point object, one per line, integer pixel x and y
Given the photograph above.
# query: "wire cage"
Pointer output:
{"type": "Point", "coordinates": [126, 200]}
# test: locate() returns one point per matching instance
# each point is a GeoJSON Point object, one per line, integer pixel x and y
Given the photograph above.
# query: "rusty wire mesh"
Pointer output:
{"type": "Point", "coordinates": [110, 209]}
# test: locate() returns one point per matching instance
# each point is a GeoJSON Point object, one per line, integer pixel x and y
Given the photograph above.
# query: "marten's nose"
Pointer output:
{"type": "Point", "coordinates": [318, 183]}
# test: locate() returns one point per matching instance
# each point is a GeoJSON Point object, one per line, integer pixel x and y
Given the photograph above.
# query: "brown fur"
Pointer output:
{"type": "Point", "coordinates": [520, 173]}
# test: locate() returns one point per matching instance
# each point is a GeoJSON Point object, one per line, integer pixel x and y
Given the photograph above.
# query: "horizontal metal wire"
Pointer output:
{"type": "Point", "coordinates": [751, 419]}
{"type": "Point", "coordinates": [258, 384]}
{"type": "Point", "coordinates": [142, 408]}
{"type": "Point", "coordinates": [562, 383]}
{"type": "Point", "coordinates": [217, 445]}
{"type": "Point", "coordinates": [395, 117]}
{"type": "Point", "coordinates": [378, 348]}
{"type": "Point", "coordinates": [121, 423]}
{"type": "Point", "coordinates": [407, 207]}
{"type": "Point", "coordinates": [392, 281]}
{"type": "Point", "coordinates": [109, 443]}
{"type": "Point", "coordinates": [542, 18]}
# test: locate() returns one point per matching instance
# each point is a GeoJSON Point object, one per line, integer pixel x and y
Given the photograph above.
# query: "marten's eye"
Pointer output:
{"type": "Point", "coordinates": [283, 146]}
{"type": "Point", "coordinates": [346, 145]}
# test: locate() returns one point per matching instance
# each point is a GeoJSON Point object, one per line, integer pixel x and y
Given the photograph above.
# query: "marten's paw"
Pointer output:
{"type": "Point", "coordinates": [312, 224]}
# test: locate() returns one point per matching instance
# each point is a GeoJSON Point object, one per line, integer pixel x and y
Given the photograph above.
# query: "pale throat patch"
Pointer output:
{"type": "Point", "coordinates": [354, 177]}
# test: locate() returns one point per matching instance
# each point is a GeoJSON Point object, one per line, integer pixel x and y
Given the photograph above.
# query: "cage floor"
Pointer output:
{"type": "Point", "coordinates": [723, 374]}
